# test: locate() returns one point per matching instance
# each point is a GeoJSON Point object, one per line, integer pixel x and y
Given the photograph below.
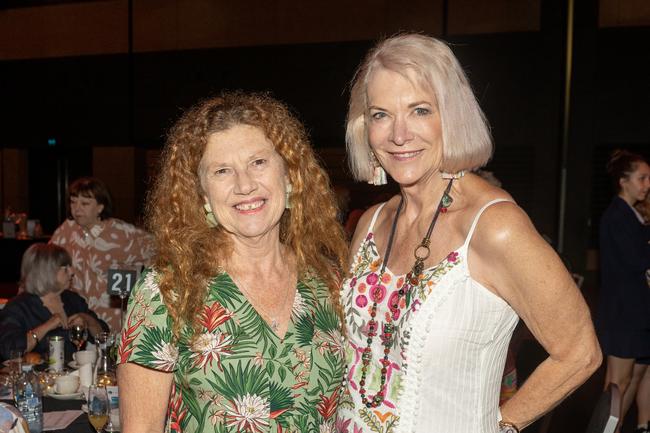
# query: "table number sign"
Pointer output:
{"type": "Point", "coordinates": [121, 281]}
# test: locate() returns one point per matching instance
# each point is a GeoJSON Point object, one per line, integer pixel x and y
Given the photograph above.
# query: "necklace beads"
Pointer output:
{"type": "Point", "coordinates": [411, 281]}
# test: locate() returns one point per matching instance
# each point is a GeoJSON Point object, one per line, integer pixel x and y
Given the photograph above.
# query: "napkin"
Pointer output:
{"type": "Point", "coordinates": [85, 373]}
{"type": "Point", "coordinates": [59, 420]}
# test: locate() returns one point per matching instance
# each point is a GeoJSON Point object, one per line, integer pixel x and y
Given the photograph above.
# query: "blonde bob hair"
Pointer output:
{"type": "Point", "coordinates": [190, 252]}
{"type": "Point", "coordinates": [467, 143]}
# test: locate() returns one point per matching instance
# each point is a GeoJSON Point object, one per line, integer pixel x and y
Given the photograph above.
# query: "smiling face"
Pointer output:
{"type": "Point", "coordinates": [244, 181]}
{"type": "Point", "coordinates": [635, 187]}
{"type": "Point", "coordinates": [85, 210]}
{"type": "Point", "coordinates": [404, 128]}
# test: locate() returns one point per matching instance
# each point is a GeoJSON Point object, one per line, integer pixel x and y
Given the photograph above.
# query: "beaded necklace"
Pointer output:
{"type": "Point", "coordinates": [412, 280]}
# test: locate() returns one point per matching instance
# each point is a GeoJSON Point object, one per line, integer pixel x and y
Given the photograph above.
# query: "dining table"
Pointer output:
{"type": "Point", "coordinates": [79, 425]}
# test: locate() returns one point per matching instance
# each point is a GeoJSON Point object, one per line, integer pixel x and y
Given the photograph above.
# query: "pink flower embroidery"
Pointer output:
{"type": "Point", "coordinates": [362, 301]}
{"type": "Point", "coordinates": [452, 257]}
{"type": "Point", "coordinates": [378, 293]}
{"type": "Point", "coordinates": [393, 299]}
{"type": "Point", "coordinates": [372, 279]}
{"type": "Point", "coordinates": [342, 425]}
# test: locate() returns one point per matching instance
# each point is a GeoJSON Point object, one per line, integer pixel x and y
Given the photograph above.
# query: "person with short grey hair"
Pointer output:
{"type": "Point", "coordinates": [44, 307]}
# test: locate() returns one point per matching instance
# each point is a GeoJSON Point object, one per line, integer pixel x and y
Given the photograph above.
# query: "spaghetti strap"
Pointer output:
{"type": "Point", "coordinates": [374, 217]}
{"type": "Point", "coordinates": [478, 216]}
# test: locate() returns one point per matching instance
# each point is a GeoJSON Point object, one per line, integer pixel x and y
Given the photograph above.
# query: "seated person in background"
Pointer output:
{"type": "Point", "coordinates": [44, 307]}
{"type": "Point", "coordinates": [96, 242]}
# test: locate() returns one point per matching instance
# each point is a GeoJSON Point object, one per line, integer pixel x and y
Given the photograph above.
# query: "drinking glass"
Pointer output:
{"type": "Point", "coordinates": [78, 335]}
{"type": "Point", "coordinates": [15, 362]}
{"type": "Point", "coordinates": [98, 407]}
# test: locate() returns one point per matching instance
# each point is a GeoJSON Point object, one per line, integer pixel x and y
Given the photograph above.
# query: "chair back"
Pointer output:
{"type": "Point", "coordinates": [607, 411]}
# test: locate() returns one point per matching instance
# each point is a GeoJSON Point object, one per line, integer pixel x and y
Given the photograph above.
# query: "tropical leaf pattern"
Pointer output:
{"type": "Point", "coordinates": [237, 375]}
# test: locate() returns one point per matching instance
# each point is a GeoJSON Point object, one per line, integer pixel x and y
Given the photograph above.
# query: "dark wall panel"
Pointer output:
{"type": "Point", "coordinates": [79, 101]}
{"type": "Point", "coordinates": [85, 101]}
{"type": "Point", "coordinates": [518, 77]}
{"type": "Point", "coordinates": [312, 79]}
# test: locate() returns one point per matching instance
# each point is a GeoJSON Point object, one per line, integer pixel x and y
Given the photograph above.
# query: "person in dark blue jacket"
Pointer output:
{"type": "Point", "coordinates": [623, 319]}
{"type": "Point", "coordinates": [44, 307]}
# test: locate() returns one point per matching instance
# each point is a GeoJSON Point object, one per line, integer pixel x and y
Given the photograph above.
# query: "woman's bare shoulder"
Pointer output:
{"type": "Point", "coordinates": [477, 193]}
{"type": "Point", "coordinates": [503, 218]}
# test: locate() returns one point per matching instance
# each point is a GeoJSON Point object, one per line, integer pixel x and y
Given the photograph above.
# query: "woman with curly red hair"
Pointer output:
{"type": "Point", "coordinates": [238, 322]}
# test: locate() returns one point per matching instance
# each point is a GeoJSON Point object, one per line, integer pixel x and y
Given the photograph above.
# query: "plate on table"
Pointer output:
{"type": "Point", "coordinates": [10, 364]}
{"type": "Point", "coordinates": [34, 359]}
{"type": "Point", "coordinates": [73, 396]}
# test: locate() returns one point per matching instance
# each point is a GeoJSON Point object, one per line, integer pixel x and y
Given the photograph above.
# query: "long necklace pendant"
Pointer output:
{"type": "Point", "coordinates": [407, 300]}
{"type": "Point", "coordinates": [418, 267]}
{"type": "Point", "coordinates": [446, 200]}
{"type": "Point", "coordinates": [274, 325]}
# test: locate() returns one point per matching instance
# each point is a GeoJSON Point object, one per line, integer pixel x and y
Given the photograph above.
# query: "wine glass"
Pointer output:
{"type": "Point", "coordinates": [98, 407]}
{"type": "Point", "coordinates": [78, 335]}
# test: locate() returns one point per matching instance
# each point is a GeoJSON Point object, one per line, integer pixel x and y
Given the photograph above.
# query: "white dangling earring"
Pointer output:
{"type": "Point", "coordinates": [378, 173]}
{"type": "Point", "coordinates": [209, 216]}
{"type": "Point", "coordinates": [287, 196]}
{"type": "Point", "coordinates": [379, 177]}
{"type": "Point", "coordinates": [456, 175]}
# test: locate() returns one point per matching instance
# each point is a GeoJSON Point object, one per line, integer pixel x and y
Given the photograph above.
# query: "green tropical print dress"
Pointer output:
{"type": "Point", "coordinates": [238, 375]}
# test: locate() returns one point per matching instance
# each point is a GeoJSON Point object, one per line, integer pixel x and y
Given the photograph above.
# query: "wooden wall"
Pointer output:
{"type": "Point", "coordinates": [101, 27]}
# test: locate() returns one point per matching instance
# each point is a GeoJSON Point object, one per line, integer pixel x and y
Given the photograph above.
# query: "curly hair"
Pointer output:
{"type": "Point", "coordinates": [189, 251]}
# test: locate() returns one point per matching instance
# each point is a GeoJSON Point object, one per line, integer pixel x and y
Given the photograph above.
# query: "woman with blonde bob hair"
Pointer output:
{"type": "Point", "coordinates": [238, 322]}
{"type": "Point", "coordinates": [433, 67]}
{"type": "Point", "coordinates": [442, 271]}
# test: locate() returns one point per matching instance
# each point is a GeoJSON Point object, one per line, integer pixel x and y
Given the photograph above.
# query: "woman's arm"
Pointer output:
{"type": "Point", "coordinates": [81, 314]}
{"type": "Point", "coordinates": [144, 395]}
{"type": "Point", "coordinates": [512, 260]}
{"type": "Point", "coordinates": [137, 244]}
{"type": "Point", "coordinates": [145, 384]}
{"type": "Point", "coordinates": [15, 322]}
{"type": "Point", "coordinates": [91, 322]}
{"type": "Point", "coordinates": [34, 335]}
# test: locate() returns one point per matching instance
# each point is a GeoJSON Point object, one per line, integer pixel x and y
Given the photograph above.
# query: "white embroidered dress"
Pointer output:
{"type": "Point", "coordinates": [447, 360]}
